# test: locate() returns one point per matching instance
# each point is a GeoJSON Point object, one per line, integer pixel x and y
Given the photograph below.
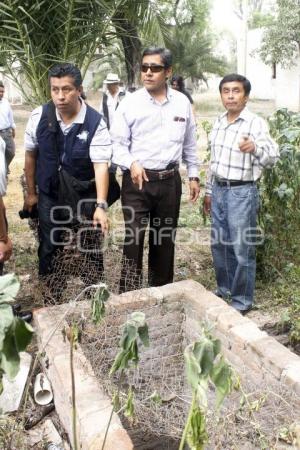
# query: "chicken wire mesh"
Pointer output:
{"type": "Point", "coordinates": [260, 417]}
{"type": "Point", "coordinates": [256, 416]}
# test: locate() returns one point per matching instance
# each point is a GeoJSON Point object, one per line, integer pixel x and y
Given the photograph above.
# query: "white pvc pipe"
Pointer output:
{"type": "Point", "coordinates": [42, 390]}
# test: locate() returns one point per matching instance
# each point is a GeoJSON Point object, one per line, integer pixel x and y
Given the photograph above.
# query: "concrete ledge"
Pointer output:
{"type": "Point", "coordinates": [93, 406]}
{"type": "Point", "coordinates": [248, 348]}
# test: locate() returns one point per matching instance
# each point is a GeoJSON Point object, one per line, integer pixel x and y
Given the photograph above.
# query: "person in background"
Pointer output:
{"type": "Point", "coordinates": [178, 84]}
{"type": "Point", "coordinates": [241, 148]}
{"type": "Point", "coordinates": [111, 99]}
{"type": "Point", "coordinates": [153, 130]}
{"type": "Point", "coordinates": [5, 242]}
{"type": "Point", "coordinates": [7, 127]}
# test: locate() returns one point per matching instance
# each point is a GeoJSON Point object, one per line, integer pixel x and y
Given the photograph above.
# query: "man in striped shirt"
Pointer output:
{"type": "Point", "coordinates": [241, 148]}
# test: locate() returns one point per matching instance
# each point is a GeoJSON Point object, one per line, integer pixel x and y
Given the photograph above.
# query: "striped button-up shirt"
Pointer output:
{"type": "Point", "coordinates": [153, 133]}
{"type": "Point", "coordinates": [227, 161]}
{"type": "Point", "coordinates": [100, 147]}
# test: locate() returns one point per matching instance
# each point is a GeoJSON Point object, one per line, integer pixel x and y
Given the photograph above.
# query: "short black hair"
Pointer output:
{"type": "Point", "coordinates": [164, 53]}
{"type": "Point", "coordinates": [236, 77]}
{"type": "Point", "coordinates": [66, 70]}
{"type": "Point", "coordinates": [1, 84]}
{"type": "Point", "coordinates": [179, 80]}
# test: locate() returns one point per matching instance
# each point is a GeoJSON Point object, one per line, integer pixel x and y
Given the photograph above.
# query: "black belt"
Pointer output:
{"type": "Point", "coordinates": [6, 129]}
{"type": "Point", "coordinates": [157, 175]}
{"type": "Point", "coordinates": [221, 182]}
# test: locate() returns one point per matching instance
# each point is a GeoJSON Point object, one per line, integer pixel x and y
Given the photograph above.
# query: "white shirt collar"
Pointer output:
{"type": "Point", "coordinates": [80, 116]}
{"type": "Point", "coordinates": [149, 96]}
{"type": "Point", "coordinates": [244, 115]}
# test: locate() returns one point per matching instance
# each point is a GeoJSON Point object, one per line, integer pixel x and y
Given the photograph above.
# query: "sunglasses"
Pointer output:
{"type": "Point", "coordinates": [154, 68]}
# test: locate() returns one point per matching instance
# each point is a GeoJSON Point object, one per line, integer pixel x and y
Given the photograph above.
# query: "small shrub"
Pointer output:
{"type": "Point", "coordinates": [279, 215]}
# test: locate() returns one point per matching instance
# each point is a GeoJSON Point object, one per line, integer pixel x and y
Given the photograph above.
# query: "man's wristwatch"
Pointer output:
{"type": "Point", "coordinates": [194, 179]}
{"type": "Point", "coordinates": [102, 205]}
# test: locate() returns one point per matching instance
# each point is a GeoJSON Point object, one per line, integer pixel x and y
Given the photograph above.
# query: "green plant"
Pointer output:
{"type": "Point", "coordinates": [73, 333]}
{"type": "Point", "coordinates": [15, 333]}
{"type": "Point", "coordinates": [279, 215]}
{"type": "Point", "coordinates": [204, 366]}
{"type": "Point", "coordinates": [98, 303]}
{"type": "Point", "coordinates": [135, 329]}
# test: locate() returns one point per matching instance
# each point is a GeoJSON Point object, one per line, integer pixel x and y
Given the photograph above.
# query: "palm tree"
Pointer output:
{"type": "Point", "coordinates": [35, 34]}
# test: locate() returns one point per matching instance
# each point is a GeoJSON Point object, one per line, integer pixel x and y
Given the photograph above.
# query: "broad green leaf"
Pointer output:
{"type": "Point", "coordinates": [216, 346]}
{"type": "Point", "coordinates": [192, 367]}
{"type": "Point", "coordinates": [144, 335]}
{"type": "Point", "coordinates": [222, 377]}
{"type": "Point", "coordinates": [128, 343]}
{"type": "Point", "coordinates": [205, 355]}
{"type": "Point", "coordinates": [9, 287]}
{"type": "Point", "coordinates": [98, 303]}
{"type": "Point", "coordinates": [10, 359]}
{"type": "Point", "coordinates": [6, 321]}
{"type": "Point", "coordinates": [23, 334]}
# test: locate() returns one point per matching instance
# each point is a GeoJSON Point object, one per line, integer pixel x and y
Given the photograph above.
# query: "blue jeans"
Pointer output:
{"type": "Point", "coordinates": [233, 240]}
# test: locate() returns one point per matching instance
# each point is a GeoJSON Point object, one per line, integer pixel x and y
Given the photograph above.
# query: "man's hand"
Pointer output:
{"type": "Point", "coordinates": [246, 145]}
{"type": "Point", "coordinates": [138, 174]}
{"type": "Point", "coordinates": [207, 205]}
{"type": "Point", "coordinates": [100, 218]}
{"type": "Point", "coordinates": [194, 190]}
{"type": "Point", "coordinates": [30, 201]}
{"type": "Point", "coordinates": [5, 250]}
{"type": "Point", "coordinates": [13, 133]}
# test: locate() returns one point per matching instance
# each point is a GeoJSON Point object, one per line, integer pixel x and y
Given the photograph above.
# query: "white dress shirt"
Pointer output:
{"type": "Point", "coordinates": [100, 147]}
{"type": "Point", "coordinates": [153, 133]}
{"type": "Point", "coordinates": [6, 115]}
{"type": "Point", "coordinates": [112, 104]}
{"type": "Point", "coordinates": [227, 161]}
{"type": "Point", "coordinates": [3, 182]}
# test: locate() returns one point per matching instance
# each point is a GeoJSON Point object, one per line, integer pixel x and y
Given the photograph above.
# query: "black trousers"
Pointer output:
{"type": "Point", "coordinates": [51, 241]}
{"type": "Point", "coordinates": [157, 206]}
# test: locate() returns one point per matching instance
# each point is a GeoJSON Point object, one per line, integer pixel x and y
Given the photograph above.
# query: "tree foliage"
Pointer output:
{"type": "Point", "coordinates": [35, 34]}
{"type": "Point", "coordinates": [192, 41]}
{"type": "Point", "coordinates": [281, 41]}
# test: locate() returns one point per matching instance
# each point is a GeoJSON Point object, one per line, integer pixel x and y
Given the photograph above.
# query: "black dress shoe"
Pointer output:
{"type": "Point", "coordinates": [245, 311]}
{"type": "Point", "coordinates": [25, 315]}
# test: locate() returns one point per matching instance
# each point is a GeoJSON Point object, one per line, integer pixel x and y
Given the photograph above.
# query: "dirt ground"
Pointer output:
{"type": "Point", "coordinates": [193, 257]}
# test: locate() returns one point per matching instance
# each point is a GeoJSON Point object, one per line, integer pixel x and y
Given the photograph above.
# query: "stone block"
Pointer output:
{"type": "Point", "coordinates": [44, 431]}
{"type": "Point", "coordinates": [245, 333]}
{"type": "Point", "coordinates": [13, 390]}
{"type": "Point", "coordinates": [275, 357]}
{"type": "Point", "coordinates": [291, 376]}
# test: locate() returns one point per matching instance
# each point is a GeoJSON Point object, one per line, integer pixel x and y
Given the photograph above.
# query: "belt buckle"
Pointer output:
{"type": "Point", "coordinates": [162, 174]}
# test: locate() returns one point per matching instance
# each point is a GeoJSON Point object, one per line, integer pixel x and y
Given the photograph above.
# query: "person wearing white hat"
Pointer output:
{"type": "Point", "coordinates": [111, 98]}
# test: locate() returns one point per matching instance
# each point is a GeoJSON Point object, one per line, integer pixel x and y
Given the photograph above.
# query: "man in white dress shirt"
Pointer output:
{"type": "Point", "coordinates": [7, 127]}
{"type": "Point", "coordinates": [111, 99]}
{"type": "Point", "coordinates": [153, 130]}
